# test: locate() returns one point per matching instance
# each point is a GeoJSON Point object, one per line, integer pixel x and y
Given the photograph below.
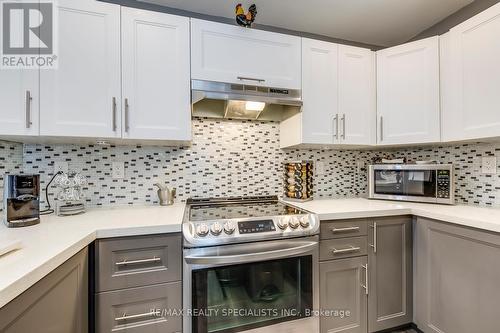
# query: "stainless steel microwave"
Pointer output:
{"type": "Point", "coordinates": [431, 183]}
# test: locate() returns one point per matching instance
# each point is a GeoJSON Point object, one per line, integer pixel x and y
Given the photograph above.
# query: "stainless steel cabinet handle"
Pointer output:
{"type": "Point", "coordinates": [336, 127]}
{"type": "Point", "coordinates": [347, 229]}
{"type": "Point", "coordinates": [347, 250]}
{"type": "Point", "coordinates": [381, 128]}
{"type": "Point", "coordinates": [28, 108]}
{"type": "Point", "coordinates": [114, 114]}
{"type": "Point", "coordinates": [365, 286]}
{"type": "Point", "coordinates": [374, 245]}
{"type": "Point", "coordinates": [137, 262]}
{"type": "Point", "coordinates": [242, 78]}
{"type": "Point", "coordinates": [127, 107]}
{"type": "Point", "coordinates": [138, 316]}
{"type": "Point", "coordinates": [343, 126]}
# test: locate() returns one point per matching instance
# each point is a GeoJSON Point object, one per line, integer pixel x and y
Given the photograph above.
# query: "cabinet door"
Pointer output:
{"type": "Point", "coordinates": [390, 301]}
{"type": "Point", "coordinates": [228, 53]}
{"type": "Point", "coordinates": [473, 109]}
{"type": "Point", "coordinates": [342, 288]}
{"type": "Point", "coordinates": [457, 276]}
{"type": "Point", "coordinates": [156, 76]}
{"type": "Point", "coordinates": [320, 123]}
{"type": "Point", "coordinates": [408, 93]}
{"type": "Point", "coordinates": [81, 98]}
{"type": "Point", "coordinates": [56, 304]}
{"type": "Point", "coordinates": [20, 102]}
{"type": "Point", "coordinates": [357, 95]}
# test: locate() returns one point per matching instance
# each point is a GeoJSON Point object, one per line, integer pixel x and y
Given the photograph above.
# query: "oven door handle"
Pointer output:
{"type": "Point", "coordinates": [287, 251]}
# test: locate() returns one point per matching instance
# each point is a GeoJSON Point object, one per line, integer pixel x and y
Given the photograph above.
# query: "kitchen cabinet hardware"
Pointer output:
{"type": "Point", "coordinates": [127, 110]}
{"type": "Point", "coordinates": [138, 262]}
{"type": "Point", "coordinates": [346, 250]}
{"type": "Point", "coordinates": [138, 316]}
{"type": "Point", "coordinates": [346, 229]}
{"type": "Point", "coordinates": [365, 286]}
{"type": "Point", "coordinates": [374, 245]}
{"type": "Point", "coordinates": [242, 78]}
{"type": "Point", "coordinates": [343, 127]}
{"type": "Point", "coordinates": [114, 114]}
{"type": "Point", "coordinates": [336, 127]}
{"type": "Point", "coordinates": [29, 99]}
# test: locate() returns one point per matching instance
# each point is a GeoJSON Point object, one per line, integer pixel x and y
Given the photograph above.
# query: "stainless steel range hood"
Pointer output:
{"type": "Point", "coordinates": [240, 101]}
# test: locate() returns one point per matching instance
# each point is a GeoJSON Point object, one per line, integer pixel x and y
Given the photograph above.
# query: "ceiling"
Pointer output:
{"type": "Point", "coordinates": [377, 22]}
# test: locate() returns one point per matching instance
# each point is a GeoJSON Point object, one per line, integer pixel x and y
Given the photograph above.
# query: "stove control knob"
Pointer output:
{"type": "Point", "coordinates": [304, 222]}
{"type": "Point", "coordinates": [294, 222]}
{"type": "Point", "coordinates": [202, 230]}
{"type": "Point", "coordinates": [216, 229]}
{"type": "Point", "coordinates": [229, 227]}
{"type": "Point", "coordinates": [283, 223]}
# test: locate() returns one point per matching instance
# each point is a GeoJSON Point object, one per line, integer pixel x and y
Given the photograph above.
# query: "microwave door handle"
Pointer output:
{"type": "Point", "coordinates": [303, 248]}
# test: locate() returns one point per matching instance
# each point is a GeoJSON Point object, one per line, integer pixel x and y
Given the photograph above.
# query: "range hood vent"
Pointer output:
{"type": "Point", "coordinates": [240, 101]}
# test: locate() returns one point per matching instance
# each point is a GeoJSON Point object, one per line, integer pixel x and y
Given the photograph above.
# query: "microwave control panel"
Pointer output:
{"type": "Point", "coordinates": [443, 184]}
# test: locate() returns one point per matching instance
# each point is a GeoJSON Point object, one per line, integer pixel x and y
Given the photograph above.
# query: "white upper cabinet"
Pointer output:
{"type": "Point", "coordinates": [408, 104]}
{"type": "Point", "coordinates": [81, 98]}
{"type": "Point", "coordinates": [155, 76]}
{"type": "Point", "coordinates": [357, 106]}
{"type": "Point", "coordinates": [338, 91]}
{"type": "Point", "coordinates": [471, 78]}
{"type": "Point", "coordinates": [320, 123]}
{"type": "Point", "coordinates": [19, 102]}
{"type": "Point", "coordinates": [232, 54]}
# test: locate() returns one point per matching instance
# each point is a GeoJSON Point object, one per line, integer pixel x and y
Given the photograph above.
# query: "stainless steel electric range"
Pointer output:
{"type": "Point", "coordinates": [250, 265]}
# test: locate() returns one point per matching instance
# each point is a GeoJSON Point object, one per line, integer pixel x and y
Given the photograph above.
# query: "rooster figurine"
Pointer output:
{"type": "Point", "coordinates": [245, 20]}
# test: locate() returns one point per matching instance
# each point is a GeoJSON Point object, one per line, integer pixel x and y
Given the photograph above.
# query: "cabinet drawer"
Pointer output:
{"type": "Point", "coordinates": [133, 310]}
{"type": "Point", "coordinates": [343, 228]}
{"type": "Point", "coordinates": [342, 248]}
{"type": "Point", "coordinates": [137, 261]}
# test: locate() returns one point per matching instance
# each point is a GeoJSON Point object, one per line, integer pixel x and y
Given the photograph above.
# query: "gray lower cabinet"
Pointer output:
{"type": "Point", "coordinates": [138, 284]}
{"type": "Point", "coordinates": [141, 310]}
{"type": "Point", "coordinates": [56, 304]}
{"type": "Point", "coordinates": [341, 286]}
{"type": "Point", "coordinates": [457, 278]}
{"type": "Point", "coordinates": [390, 302]}
{"type": "Point", "coordinates": [137, 261]}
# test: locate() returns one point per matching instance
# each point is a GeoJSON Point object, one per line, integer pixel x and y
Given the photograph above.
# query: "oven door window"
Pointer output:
{"type": "Point", "coordinates": [242, 297]}
{"type": "Point", "coordinates": [389, 182]}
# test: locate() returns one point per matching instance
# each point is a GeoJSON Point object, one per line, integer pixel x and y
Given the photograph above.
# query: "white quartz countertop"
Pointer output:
{"type": "Point", "coordinates": [56, 239]}
{"type": "Point", "coordinates": [487, 219]}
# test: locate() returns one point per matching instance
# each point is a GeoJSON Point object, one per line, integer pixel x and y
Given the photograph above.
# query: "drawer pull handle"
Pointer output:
{"type": "Point", "coordinates": [242, 78]}
{"type": "Point", "coordinates": [138, 316]}
{"type": "Point", "coordinates": [365, 286]}
{"type": "Point", "coordinates": [335, 230]}
{"type": "Point", "coordinates": [347, 250]}
{"type": "Point", "coordinates": [138, 262]}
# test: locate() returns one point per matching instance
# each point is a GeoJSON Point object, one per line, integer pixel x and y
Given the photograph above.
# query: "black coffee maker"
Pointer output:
{"type": "Point", "coordinates": [21, 200]}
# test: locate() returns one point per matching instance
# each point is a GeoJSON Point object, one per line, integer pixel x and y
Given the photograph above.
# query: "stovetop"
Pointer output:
{"type": "Point", "coordinates": [235, 208]}
{"type": "Point", "coordinates": [212, 222]}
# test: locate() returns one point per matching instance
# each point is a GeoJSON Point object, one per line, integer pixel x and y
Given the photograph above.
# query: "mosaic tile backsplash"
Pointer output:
{"type": "Point", "coordinates": [231, 158]}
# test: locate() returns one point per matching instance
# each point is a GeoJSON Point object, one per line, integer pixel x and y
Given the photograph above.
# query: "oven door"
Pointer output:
{"type": "Point", "coordinates": [255, 287]}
